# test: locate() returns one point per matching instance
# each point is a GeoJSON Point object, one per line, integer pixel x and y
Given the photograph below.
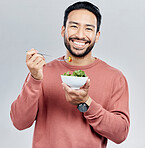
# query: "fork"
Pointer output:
{"type": "Point", "coordinates": [43, 54]}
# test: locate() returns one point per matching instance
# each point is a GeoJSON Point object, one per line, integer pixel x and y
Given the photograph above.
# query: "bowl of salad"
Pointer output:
{"type": "Point", "coordinates": [75, 80]}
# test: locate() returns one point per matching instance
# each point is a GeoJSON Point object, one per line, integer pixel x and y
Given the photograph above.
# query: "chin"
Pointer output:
{"type": "Point", "coordinates": [78, 53]}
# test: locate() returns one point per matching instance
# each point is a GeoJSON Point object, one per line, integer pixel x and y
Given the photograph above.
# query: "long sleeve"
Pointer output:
{"type": "Point", "coordinates": [114, 122]}
{"type": "Point", "coordinates": [24, 109]}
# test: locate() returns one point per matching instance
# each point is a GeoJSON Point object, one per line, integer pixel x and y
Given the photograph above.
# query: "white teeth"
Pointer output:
{"type": "Point", "coordinates": [78, 43]}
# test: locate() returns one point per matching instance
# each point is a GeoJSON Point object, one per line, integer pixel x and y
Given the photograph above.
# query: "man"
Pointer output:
{"type": "Point", "coordinates": [56, 108]}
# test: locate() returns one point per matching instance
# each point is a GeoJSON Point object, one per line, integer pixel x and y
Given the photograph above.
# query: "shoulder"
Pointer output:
{"type": "Point", "coordinates": [110, 73]}
{"type": "Point", "coordinates": [118, 80]}
{"type": "Point", "coordinates": [109, 70]}
{"type": "Point", "coordinates": [116, 74]}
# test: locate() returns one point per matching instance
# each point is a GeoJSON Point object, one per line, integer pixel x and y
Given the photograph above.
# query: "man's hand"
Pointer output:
{"type": "Point", "coordinates": [78, 96]}
{"type": "Point", "coordinates": [35, 63]}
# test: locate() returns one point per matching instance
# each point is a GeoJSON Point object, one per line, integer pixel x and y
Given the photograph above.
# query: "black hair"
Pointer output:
{"type": "Point", "coordinates": [83, 5]}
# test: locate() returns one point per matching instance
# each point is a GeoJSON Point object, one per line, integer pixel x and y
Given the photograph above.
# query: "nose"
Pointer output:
{"type": "Point", "coordinates": [80, 33]}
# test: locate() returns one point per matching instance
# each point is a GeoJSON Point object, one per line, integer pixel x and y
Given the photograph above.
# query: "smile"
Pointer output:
{"type": "Point", "coordinates": [79, 44]}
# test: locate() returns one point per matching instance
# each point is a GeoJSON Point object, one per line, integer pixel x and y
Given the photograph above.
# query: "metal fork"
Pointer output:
{"type": "Point", "coordinates": [43, 54]}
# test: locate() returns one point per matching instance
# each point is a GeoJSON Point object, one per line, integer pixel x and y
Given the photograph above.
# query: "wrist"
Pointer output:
{"type": "Point", "coordinates": [83, 107]}
{"type": "Point", "coordinates": [88, 102]}
{"type": "Point", "coordinates": [36, 77]}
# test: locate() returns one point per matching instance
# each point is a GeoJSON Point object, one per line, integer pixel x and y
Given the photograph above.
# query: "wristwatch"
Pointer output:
{"type": "Point", "coordinates": [83, 107]}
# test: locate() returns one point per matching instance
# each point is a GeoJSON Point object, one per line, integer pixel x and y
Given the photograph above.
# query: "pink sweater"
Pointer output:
{"type": "Point", "coordinates": [58, 123]}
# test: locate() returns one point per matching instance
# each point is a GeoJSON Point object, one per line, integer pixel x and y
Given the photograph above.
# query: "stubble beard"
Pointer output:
{"type": "Point", "coordinates": [88, 50]}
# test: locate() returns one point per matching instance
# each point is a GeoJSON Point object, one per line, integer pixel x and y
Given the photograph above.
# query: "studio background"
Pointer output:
{"type": "Point", "coordinates": [26, 24]}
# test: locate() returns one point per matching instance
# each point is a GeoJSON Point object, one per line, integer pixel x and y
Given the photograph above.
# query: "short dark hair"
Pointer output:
{"type": "Point", "coordinates": [84, 5]}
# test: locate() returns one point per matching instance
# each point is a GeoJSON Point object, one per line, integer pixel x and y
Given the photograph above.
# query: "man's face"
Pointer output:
{"type": "Point", "coordinates": [80, 32]}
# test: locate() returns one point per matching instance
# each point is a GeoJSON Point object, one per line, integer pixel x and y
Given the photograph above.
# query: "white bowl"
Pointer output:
{"type": "Point", "coordinates": [74, 82]}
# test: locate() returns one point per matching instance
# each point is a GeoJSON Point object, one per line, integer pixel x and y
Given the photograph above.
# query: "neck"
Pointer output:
{"type": "Point", "coordinates": [80, 61]}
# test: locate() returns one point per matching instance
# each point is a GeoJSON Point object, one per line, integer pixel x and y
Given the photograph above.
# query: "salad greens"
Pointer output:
{"type": "Point", "coordinates": [77, 73]}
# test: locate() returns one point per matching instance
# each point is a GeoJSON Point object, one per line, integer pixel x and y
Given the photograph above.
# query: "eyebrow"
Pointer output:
{"type": "Point", "coordinates": [89, 25]}
{"type": "Point", "coordinates": [72, 22]}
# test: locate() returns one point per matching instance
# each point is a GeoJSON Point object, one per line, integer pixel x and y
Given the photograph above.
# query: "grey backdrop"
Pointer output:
{"type": "Point", "coordinates": [37, 23]}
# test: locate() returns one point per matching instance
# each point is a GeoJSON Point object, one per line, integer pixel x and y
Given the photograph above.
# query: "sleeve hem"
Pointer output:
{"type": "Point", "coordinates": [33, 82]}
{"type": "Point", "coordinates": [92, 108]}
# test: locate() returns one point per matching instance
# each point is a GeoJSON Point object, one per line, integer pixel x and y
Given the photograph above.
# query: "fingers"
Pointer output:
{"type": "Point", "coordinates": [30, 53]}
{"type": "Point", "coordinates": [72, 96]}
{"type": "Point", "coordinates": [76, 96]}
{"type": "Point", "coordinates": [68, 89]}
{"type": "Point", "coordinates": [35, 63]}
{"type": "Point", "coordinates": [87, 85]}
{"type": "Point", "coordinates": [65, 87]}
{"type": "Point", "coordinates": [36, 58]}
{"type": "Point", "coordinates": [41, 64]}
{"type": "Point", "coordinates": [32, 58]}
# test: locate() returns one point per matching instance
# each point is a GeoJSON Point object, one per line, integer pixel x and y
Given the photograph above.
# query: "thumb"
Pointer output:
{"type": "Point", "coordinates": [87, 85]}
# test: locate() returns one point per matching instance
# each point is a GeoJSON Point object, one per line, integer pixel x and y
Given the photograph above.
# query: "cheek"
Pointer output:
{"type": "Point", "coordinates": [91, 37]}
{"type": "Point", "coordinates": [91, 34]}
{"type": "Point", "coordinates": [71, 32]}
{"type": "Point", "coordinates": [65, 33]}
{"type": "Point", "coordinates": [68, 34]}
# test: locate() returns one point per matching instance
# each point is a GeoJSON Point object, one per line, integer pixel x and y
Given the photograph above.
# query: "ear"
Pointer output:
{"type": "Point", "coordinates": [62, 31]}
{"type": "Point", "coordinates": [97, 36]}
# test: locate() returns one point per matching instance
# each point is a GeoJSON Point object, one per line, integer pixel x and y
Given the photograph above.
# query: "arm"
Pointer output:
{"type": "Point", "coordinates": [24, 109]}
{"type": "Point", "coordinates": [113, 123]}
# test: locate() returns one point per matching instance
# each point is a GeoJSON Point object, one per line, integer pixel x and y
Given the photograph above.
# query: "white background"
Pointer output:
{"type": "Point", "coordinates": [37, 23]}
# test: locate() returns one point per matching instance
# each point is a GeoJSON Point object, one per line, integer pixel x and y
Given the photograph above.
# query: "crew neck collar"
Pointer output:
{"type": "Point", "coordinates": [73, 67]}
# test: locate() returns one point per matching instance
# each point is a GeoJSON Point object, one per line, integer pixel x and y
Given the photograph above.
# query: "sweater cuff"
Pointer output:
{"type": "Point", "coordinates": [92, 108]}
{"type": "Point", "coordinates": [33, 83]}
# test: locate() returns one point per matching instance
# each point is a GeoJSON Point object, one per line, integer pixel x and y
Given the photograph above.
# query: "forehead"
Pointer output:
{"type": "Point", "coordinates": [82, 16]}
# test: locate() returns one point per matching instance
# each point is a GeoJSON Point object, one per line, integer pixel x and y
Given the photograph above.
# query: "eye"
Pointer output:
{"type": "Point", "coordinates": [73, 26]}
{"type": "Point", "coordinates": [89, 29]}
